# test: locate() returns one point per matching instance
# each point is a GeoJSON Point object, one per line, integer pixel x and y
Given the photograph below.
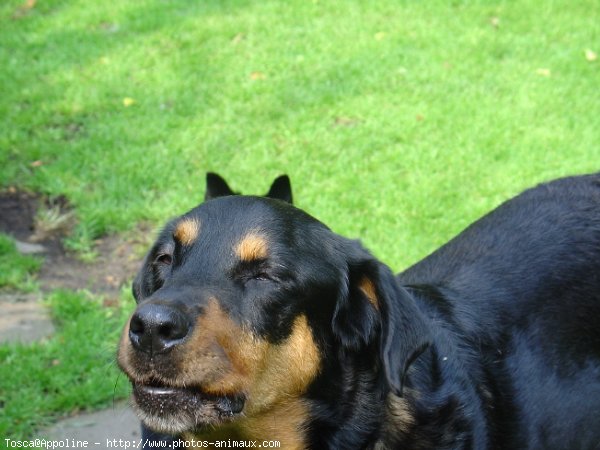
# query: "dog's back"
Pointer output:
{"type": "Point", "coordinates": [522, 285]}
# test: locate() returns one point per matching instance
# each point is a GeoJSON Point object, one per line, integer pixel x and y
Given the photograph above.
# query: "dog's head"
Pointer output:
{"type": "Point", "coordinates": [241, 301]}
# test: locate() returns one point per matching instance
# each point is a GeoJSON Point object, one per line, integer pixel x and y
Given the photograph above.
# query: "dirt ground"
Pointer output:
{"type": "Point", "coordinates": [118, 257]}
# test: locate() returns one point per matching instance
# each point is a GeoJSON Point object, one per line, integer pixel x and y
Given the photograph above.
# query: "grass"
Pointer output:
{"type": "Point", "coordinates": [65, 373]}
{"type": "Point", "coordinates": [15, 269]}
{"type": "Point", "coordinates": [71, 371]}
{"type": "Point", "coordinates": [399, 122]}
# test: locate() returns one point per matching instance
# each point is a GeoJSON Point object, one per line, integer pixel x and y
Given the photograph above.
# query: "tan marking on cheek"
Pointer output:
{"type": "Point", "coordinates": [187, 231]}
{"type": "Point", "coordinates": [226, 359]}
{"type": "Point", "coordinates": [289, 368]}
{"type": "Point", "coordinates": [252, 247]}
{"type": "Point", "coordinates": [273, 377]}
{"type": "Point", "coordinates": [368, 288]}
{"type": "Point", "coordinates": [220, 356]}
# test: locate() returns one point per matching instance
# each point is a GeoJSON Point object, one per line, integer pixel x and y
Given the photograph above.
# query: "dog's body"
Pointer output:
{"type": "Point", "coordinates": [516, 300]}
{"type": "Point", "coordinates": [256, 321]}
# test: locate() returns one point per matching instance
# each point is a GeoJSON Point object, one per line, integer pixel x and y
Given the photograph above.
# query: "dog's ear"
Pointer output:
{"type": "Point", "coordinates": [281, 189]}
{"type": "Point", "coordinates": [405, 333]}
{"type": "Point", "coordinates": [357, 310]}
{"type": "Point", "coordinates": [216, 186]}
{"type": "Point", "coordinates": [372, 304]}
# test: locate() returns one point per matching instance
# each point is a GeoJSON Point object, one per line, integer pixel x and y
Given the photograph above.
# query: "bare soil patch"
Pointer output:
{"type": "Point", "coordinates": [119, 257]}
{"type": "Point", "coordinates": [17, 210]}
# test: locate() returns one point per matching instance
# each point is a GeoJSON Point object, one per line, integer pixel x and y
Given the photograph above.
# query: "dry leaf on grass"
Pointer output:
{"type": "Point", "coordinates": [591, 55]}
{"type": "Point", "coordinates": [543, 72]}
{"type": "Point", "coordinates": [254, 76]}
{"type": "Point", "coordinates": [24, 9]}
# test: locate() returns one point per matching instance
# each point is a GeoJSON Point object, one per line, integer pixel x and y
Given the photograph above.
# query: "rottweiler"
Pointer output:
{"type": "Point", "coordinates": [216, 186]}
{"type": "Point", "coordinates": [255, 321]}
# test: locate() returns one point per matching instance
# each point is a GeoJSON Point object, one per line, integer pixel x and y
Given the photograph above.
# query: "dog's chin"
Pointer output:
{"type": "Point", "coordinates": [176, 410]}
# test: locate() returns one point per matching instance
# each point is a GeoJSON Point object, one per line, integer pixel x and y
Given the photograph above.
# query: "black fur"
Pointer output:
{"type": "Point", "coordinates": [491, 342]}
{"type": "Point", "coordinates": [514, 304]}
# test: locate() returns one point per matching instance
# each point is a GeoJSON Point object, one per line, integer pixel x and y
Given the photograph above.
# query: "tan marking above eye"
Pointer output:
{"type": "Point", "coordinates": [368, 288]}
{"type": "Point", "coordinates": [187, 231]}
{"type": "Point", "coordinates": [252, 247]}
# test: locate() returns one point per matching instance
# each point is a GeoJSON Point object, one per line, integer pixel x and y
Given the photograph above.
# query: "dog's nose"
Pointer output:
{"type": "Point", "coordinates": [157, 328]}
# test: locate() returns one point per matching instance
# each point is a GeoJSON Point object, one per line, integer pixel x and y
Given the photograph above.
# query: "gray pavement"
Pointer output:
{"type": "Point", "coordinates": [23, 318]}
{"type": "Point", "coordinates": [117, 422]}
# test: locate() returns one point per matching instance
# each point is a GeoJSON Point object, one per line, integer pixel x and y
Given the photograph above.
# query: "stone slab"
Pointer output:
{"type": "Point", "coordinates": [23, 319]}
{"type": "Point", "coordinates": [117, 422]}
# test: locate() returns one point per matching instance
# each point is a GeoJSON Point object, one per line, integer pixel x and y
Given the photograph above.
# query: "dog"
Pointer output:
{"type": "Point", "coordinates": [216, 186]}
{"type": "Point", "coordinates": [255, 321]}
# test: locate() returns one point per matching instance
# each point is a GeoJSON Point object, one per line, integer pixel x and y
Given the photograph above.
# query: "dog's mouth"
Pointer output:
{"type": "Point", "coordinates": [176, 409]}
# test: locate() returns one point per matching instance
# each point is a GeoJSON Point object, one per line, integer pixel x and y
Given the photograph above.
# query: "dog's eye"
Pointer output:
{"type": "Point", "coordinates": [261, 276]}
{"type": "Point", "coordinates": [253, 271]}
{"type": "Point", "coordinates": [164, 258]}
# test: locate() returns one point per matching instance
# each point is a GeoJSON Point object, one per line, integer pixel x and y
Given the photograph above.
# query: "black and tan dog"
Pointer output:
{"type": "Point", "coordinates": [255, 321]}
{"type": "Point", "coordinates": [216, 186]}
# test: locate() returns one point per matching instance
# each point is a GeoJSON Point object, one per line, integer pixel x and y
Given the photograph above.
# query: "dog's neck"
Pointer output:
{"type": "Point", "coordinates": [345, 401]}
{"type": "Point", "coordinates": [282, 423]}
{"type": "Point", "coordinates": [362, 412]}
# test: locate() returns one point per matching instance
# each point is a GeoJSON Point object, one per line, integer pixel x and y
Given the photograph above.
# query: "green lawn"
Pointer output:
{"type": "Point", "coordinates": [15, 269]}
{"type": "Point", "coordinates": [74, 370]}
{"type": "Point", "coordinates": [399, 122]}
